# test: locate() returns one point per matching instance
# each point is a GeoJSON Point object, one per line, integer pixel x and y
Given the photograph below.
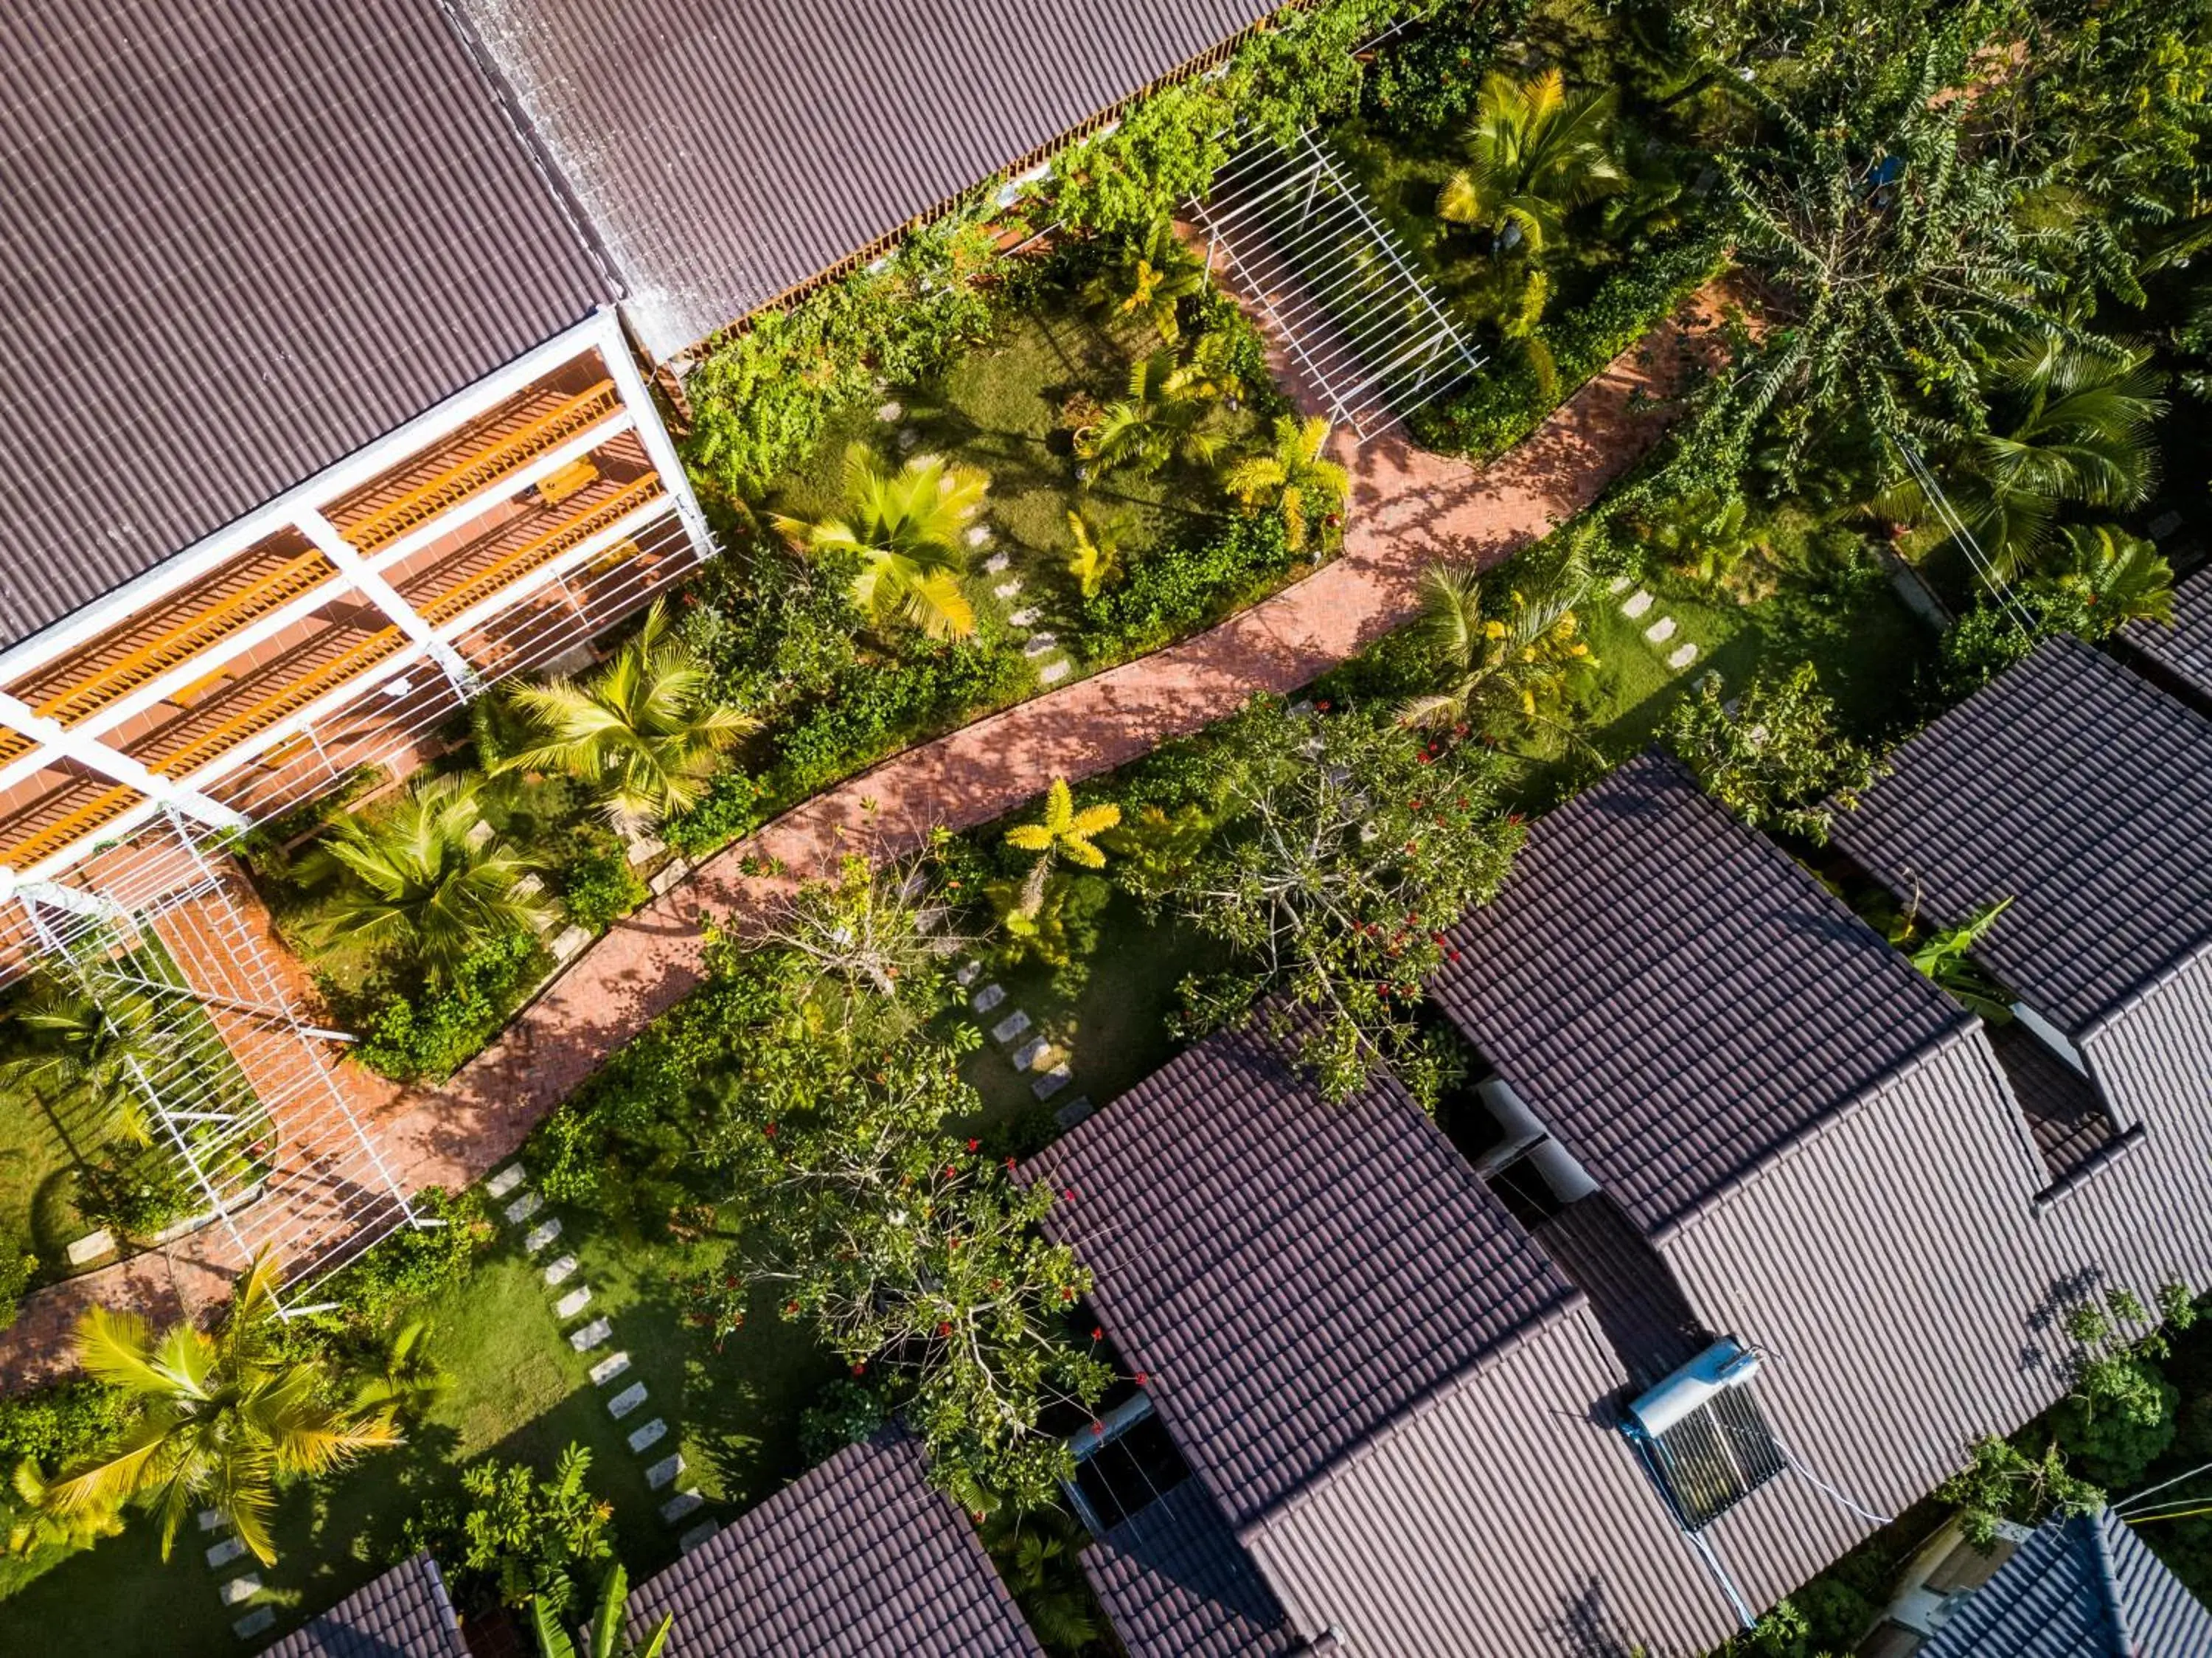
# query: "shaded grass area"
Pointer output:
{"type": "Point", "coordinates": [1110, 1016]}
{"type": "Point", "coordinates": [1005, 408]}
{"type": "Point", "coordinates": [518, 1392]}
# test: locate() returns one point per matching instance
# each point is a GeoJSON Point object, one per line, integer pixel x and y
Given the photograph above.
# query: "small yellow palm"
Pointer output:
{"type": "Point", "coordinates": [1064, 832]}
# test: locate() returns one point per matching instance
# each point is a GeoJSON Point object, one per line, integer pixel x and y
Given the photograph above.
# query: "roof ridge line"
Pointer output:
{"type": "Point", "coordinates": [2108, 1580]}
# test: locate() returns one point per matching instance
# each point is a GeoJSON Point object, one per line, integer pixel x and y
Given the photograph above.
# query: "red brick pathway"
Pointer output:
{"type": "Point", "coordinates": [1409, 508]}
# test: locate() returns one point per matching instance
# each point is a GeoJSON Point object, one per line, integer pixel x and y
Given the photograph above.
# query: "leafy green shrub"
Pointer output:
{"type": "Point", "coordinates": [138, 1192]}
{"type": "Point", "coordinates": [432, 1033]}
{"type": "Point", "coordinates": [69, 1423]}
{"type": "Point", "coordinates": [877, 709]}
{"type": "Point", "coordinates": [1423, 84]}
{"type": "Point", "coordinates": [1505, 402]}
{"type": "Point", "coordinates": [416, 1261]}
{"type": "Point", "coordinates": [1179, 588]}
{"type": "Point", "coordinates": [18, 1266]}
{"type": "Point", "coordinates": [598, 885]}
{"type": "Point", "coordinates": [729, 808]}
{"type": "Point", "coordinates": [843, 1413]}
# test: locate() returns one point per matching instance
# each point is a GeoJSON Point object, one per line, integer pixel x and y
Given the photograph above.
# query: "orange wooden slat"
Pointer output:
{"type": "Point", "coordinates": [477, 471]}
{"type": "Point", "coordinates": [295, 695]}
{"type": "Point", "coordinates": [541, 550]}
{"type": "Point", "coordinates": [102, 808]}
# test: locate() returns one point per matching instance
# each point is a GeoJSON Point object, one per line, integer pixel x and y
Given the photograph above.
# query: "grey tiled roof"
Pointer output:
{"type": "Point", "coordinates": [1175, 1583]}
{"type": "Point", "coordinates": [859, 1558]}
{"type": "Point", "coordinates": [2183, 649]}
{"type": "Point", "coordinates": [1673, 997]}
{"type": "Point", "coordinates": [2081, 791]}
{"type": "Point", "coordinates": [1290, 1275]}
{"type": "Point", "coordinates": [243, 239]}
{"type": "Point", "coordinates": [725, 153]}
{"type": "Point", "coordinates": [2083, 1587]}
{"type": "Point", "coordinates": [403, 1614]}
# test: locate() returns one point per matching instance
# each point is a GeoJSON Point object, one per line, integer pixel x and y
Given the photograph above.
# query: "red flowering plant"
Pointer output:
{"type": "Point", "coordinates": [1348, 848]}
{"type": "Point", "coordinates": [907, 1250]}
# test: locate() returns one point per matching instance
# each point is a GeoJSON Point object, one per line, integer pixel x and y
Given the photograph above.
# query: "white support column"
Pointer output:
{"type": "Point", "coordinates": [385, 597]}
{"type": "Point", "coordinates": [57, 741]}
{"type": "Point", "coordinates": [614, 348]}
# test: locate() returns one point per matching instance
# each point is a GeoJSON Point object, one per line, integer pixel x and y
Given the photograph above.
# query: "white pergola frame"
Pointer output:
{"type": "Point", "coordinates": [1344, 296]}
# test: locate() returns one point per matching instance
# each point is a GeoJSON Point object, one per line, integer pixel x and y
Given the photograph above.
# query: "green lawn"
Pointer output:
{"type": "Point", "coordinates": [1001, 408]}
{"type": "Point", "coordinates": [519, 1391]}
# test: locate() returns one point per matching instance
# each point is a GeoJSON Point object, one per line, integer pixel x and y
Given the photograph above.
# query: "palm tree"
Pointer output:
{"type": "Point", "coordinates": [1293, 478]}
{"type": "Point", "coordinates": [1534, 154]}
{"type": "Point", "coordinates": [422, 878]}
{"type": "Point", "coordinates": [1150, 277]}
{"type": "Point", "coordinates": [1945, 958]}
{"type": "Point", "coordinates": [409, 1380]}
{"type": "Point", "coordinates": [1063, 832]}
{"type": "Point", "coordinates": [908, 528]}
{"type": "Point", "coordinates": [1503, 663]}
{"type": "Point", "coordinates": [2075, 428]}
{"type": "Point", "coordinates": [606, 1638]}
{"type": "Point", "coordinates": [645, 731]}
{"type": "Point", "coordinates": [224, 1416]}
{"type": "Point", "coordinates": [1097, 558]}
{"type": "Point", "coordinates": [2120, 578]}
{"type": "Point", "coordinates": [79, 1046]}
{"type": "Point", "coordinates": [1706, 536]}
{"type": "Point", "coordinates": [1163, 418]}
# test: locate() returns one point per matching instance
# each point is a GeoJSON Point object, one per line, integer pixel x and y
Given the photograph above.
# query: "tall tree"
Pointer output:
{"type": "Point", "coordinates": [908, 528]}
{"type": "Point", "coordinates": [419, 878]}
{"type": "Point", "coordinates": [645, 731]}
{"type": "Point", "coordinates": [78, 1045]}
{"type": "Point", "coordinates": [1294, 477]}
{"type": "Point", "coordinates": [1506, 652]}
{"type": "Point", "coordinates": [225, 1416]}
{"type": "Point", "coordinates": [1773, 756]}
{"type": "Point", "coordinates": [1063, 833]}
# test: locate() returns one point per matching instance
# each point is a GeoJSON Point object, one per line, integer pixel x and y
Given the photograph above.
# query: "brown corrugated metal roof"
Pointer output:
{"type": "Point", "coordinates": [860, 1558]}
{"type": "Point", "coordinates": [2184, 647]}
{"type": "Point", "coordinates": [725, 153]}
{"type": "Point", "coordinates": [404, 1613]}
{"type": "Point", "coordinates": [2080, 791]}
{"type": "Point", "coordinates": [244, 238]}
{"type": "Point", "coordinates": [1674, 997]}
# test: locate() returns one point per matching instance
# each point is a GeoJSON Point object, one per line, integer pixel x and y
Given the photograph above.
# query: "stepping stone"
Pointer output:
{"type": "Point", "coordinates": [908, 438]}
{"type": "Point", "coordinates": [1052, 1081]}
{"type": "Point", "coordinates": [573, 1303]}
{"type": "Point", "coordinates": [1301, 708]}
{"type": "Point", "coordinates": [524, 1207]}
{"type": "Point", "coordinates": [1638, 602]}
{"type": "Point", "coordinates": [569, 944]}
{"type": "Point", "coordinates": [930, 920]}
{"type": "Point", "coordinates": [530, 887]}
{"type": "Point", "coordinates": [541, 1235]}
{"type": "Point", "coordinates": [609, 1367]}
{"type": "Point", "coordinates": [662, 1474]}
{"type": "Point", "coordinates": [1009, 588]}
{"type": "Point", "coordinates": [91, 1246]}
{"type": "Point", "coordinates": [259, 1621]}
{"type": "Point", "coordinates": [965, 974]}
{"type": "Point", "coordinates": [645, 849]}
{"type": "Point", "coordinates": [890, 411]}
{"type": "Point", "coordinates": [593, 1334]}
{"type": "Point", "coordinates": [668, 877]}
{"type": "Point", "coordinates": [477, 836]}
{"type": "Point", "coordinates": [652, 1433]}
{"type": "Point", "coordinates": [1620, 584]}
{"type": "Point", "coordinates": [1660, 630]}
{"type": "Point", "coordinates": [704, 1532]}
{"type": "Point", "coordinates": [996, 564]}
{"type": "Point", "coordinates": [1009, 1028]}
{"type": "Point", "coordinates": [212, 1520]}
{"type": "Point", "coordinates": [1026, 616]}
{"type": "Point", "coordinates": [505, 1181]}
{"type": "Point", "coordinates": [1053, 673]}
{"type": "Point", "coordinates": [239, 1588]}
{"type": "Point", "coordinates": [1030, 1055]}
{"type": "Point", "coordinates": [1040, 644]}
{"type": "Point", "coordinates": [1682, 655]}
{"type": "Point", "coordinates": [978, 534]}
{"type": "Point", "coordinates": [682, 1506]}
{"type": "Point", "coordinates": [561, 1271]}
{"type": "Point", "coordinates": [989, 997]}
{"type": "Point", "coordinates": [1073, 1112]}
{"type": "Point", "coordinates": [626, 1401]}
{"type": "Point", "coordinates": [2164, 525]}
{"type": "Point", "coordinates": [224, 1552]}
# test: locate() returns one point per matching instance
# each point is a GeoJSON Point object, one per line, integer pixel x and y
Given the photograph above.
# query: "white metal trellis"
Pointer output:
{"type": "Point", "coordinates": [237, 1087]}
{"type": "Point", "coordinates": [1346, 298]}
